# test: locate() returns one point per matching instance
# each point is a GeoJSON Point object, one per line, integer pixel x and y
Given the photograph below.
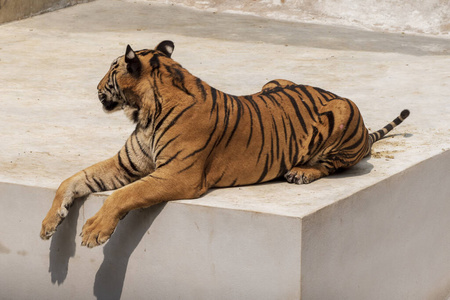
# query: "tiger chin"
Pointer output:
{"type": "Point", "coordinates": [190, 137]}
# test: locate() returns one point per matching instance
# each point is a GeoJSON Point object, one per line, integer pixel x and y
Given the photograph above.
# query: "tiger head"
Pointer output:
{"type": "Point", "coordinates": [122, 86]}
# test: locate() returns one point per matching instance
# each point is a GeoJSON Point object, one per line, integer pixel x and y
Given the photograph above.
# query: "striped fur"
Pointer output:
{"type": "Point", "coordinates": [190, 137]}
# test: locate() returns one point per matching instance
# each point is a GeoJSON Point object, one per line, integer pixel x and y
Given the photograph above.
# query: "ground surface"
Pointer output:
{"type": "Point", "coordinates": [53, 125]}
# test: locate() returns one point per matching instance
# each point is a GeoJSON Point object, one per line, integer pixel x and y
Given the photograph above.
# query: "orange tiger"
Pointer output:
{"type": "Point", "coordinates": [190, 137]}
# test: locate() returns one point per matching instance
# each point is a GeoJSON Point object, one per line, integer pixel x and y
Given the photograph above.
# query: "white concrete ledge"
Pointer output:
{"type": "Point", "coordinates": [376, 231]}
{"type": "Point", "coordinates": [388, 241]}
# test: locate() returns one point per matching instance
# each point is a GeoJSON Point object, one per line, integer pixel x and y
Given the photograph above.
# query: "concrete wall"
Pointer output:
{"type": "Point", "coordinates": [389, 241]}
{"type": "Point", "coordinates": [172, 251]}
{"type": "Point", "coordinates": [11, 10]}
{"type": "Point", "coordinates": [415, 16]}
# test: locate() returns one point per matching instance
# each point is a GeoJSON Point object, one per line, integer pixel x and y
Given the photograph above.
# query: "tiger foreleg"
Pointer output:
{"type": "Point", "coordinates": [106, 175]}
{"type": "Point", "coordinates": [151, 190]}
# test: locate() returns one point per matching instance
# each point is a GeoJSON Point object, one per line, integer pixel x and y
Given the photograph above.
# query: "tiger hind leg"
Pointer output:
{"type": "Point", "coordinates": [278, 83]}
{"type": "Point", "coordinates": [306, 174]}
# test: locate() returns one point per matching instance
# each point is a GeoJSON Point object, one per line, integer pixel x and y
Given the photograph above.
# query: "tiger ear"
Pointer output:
{"type": "Point", "coordinates": [132, 61]}
{"type": "Point", "coordinates": [166, 47]}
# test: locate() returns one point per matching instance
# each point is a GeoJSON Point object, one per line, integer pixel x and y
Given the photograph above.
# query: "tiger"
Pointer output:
{"type": "Point", "coordinates": [190, 137]}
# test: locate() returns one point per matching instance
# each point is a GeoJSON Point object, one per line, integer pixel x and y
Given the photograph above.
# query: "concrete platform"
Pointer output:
{"type": "Point", "coordinates": [376, 231]}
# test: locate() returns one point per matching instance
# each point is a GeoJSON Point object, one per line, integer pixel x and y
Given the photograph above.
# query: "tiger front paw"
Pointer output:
{"type": "Point", "coordinates": [53, 219]}
{"type": "Point", "coordinates": [98, 230]}
{"type": "Point", "coordinates": [49, 225]}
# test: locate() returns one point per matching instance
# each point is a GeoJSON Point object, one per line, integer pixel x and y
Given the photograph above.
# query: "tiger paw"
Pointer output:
{"type": "Point", "coordinates": [53, 219]}
{"type": "Point", "coordinates": [303, 175]}
{"type": "Point", "coordinates": [49, 225]}
{"type": "Point", "coordinates": [98, 230]}
{"type": "Point", "coordinates": [297, 177]}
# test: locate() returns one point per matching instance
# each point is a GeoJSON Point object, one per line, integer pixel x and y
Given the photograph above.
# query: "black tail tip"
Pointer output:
{"type": "Point", "coordinates": [404, 114]}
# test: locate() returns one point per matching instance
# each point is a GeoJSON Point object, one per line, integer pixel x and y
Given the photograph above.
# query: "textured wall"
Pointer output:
{"type": "Point", "coordinates": [414, 16]}
{"type": "Point", "coordinates": [11, 10]}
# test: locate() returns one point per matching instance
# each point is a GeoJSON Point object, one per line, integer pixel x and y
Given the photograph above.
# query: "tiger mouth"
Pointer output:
{"type": "Point", "coordinates": [109, 105]}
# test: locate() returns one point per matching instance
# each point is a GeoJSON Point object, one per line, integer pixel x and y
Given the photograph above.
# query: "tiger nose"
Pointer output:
{"type": "Point", "coordinates": [101, 97]}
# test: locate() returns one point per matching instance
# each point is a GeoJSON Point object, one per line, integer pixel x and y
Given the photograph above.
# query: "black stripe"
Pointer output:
{"type": "Point", "coordinates": [318, 145]}
{"type": "Point", "coordinates": [350, 120]}
{"type": "Point", "coordinates": [312, 142]}
{"type": "Point", "coordinates": [99, 183]}
{"type": "Point", "coordinates": [388, 127]}
{"type": "Point", "coordinates": [356, 144]}
{"type": "Point", "coordinates": [165, 145]}
{"type": "Point", "coordinates": [87, 182]}
{"type": "Point", "coordinates": [285, 130]}
{"type": "Point", "coordinates": [258, 114]}
{"type": "Point", "coordinates": [114, 187]}
{"type": "Point", "coordinates": [158, 105]}
{"type": "Point", "coordinates": [353, 134]}
{"type": "Point", "coordinates": [219, 179]}
{"type": "Point", "coordinates": [154, 63]}
{"type": "Point", "coordinates": [378, 135]}
{"type": "Point", "coordinates": [251, 124]}
{"type": "Point", "coordinates": [188, 167]}
{"type": "Point", "coordinates": [297, 111]}
{"type": "Point", "coordinates": [201, 88]}
{"type": "Point", "coordinates": [178, 79]}
{"type": "Point", "coordinates": [119, 180]}
{"type": "Point", "coordinates": [321, 98]}
{"type": "Point", "coordinates": [330, 117]}
{"type": "Point", "coordinates": [173, 122]}
{"type": "Point", "coordinates": [263, 100]}
{"type": "Point", "coordinates": [328, 95]}
{"type": "Point", "coordinates": [272, 99]}
{"type": "Point", "coordinates": [277, 137]}
{"type": "Point", "coordinates": [265, 170]}
{"type": "Point", "coordinates": [225, 119]}
{"type": "Point", "coordinates": [214, 99]}
{"type": "Point", "coordinates": [293, 155]}
{"type": "Point", "coordinates": [271, 149]}
{"type": "Point", "coordinates": [145, 52]}
{"type": "Point", "coordinates": [141, 147]}
{"type": "Point", "coordinates": [306, 95]}
{"type": "Point", "coordinates": [161, 121]}
{"type": "Point", "coordinates": [238, 118]}
{"type": "Point", "coordinates": [209, 138]}
{"type": "Point", "coordinates": [122, 166]}
{"type": "Point", "coordinates": [169, 160]}
{"type": "Point", "coordinates": [127, 152]}
{"type": "Point", "coordinates": [310, 96]}
{"type": "Point", "coordinates": [283, 168]}
{"type": "Point", "coordinates": [274, 82]}
{"type": "Point", "coordinates": [90, 187]}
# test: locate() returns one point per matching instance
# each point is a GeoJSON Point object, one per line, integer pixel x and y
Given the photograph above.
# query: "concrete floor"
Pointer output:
{"type": "Point", "coordinates": [53, 124]}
